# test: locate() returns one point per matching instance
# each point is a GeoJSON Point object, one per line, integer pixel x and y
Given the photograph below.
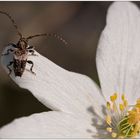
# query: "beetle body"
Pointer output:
{"type": "Point", "coordinates": [21, 57]}
{"type": "Point", "coordinates": [19, 66]}
{"type": "Point", "coordinates": [22, 50]}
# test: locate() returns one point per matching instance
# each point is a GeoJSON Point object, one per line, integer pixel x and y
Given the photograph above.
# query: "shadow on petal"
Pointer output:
{"type": "Point", "coordinates": [98, 123]}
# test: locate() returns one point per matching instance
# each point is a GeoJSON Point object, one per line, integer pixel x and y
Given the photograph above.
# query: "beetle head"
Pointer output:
{"type": "Point", "coordinates": [22, 43]}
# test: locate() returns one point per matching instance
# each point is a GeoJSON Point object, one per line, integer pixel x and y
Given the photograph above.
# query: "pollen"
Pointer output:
{"type": "Point", "coordinates": [138, 103]}
{"type": "Point", "coordinates": [122, 107]}
{"type": "Point", "coordinates": [108, 106]}
{"type": "Point", "coordinates": [114, 135]}
{"type": "Point", "coordinates": [113, 97]}
{"type": "Point", "coordinates": [109, 129]}
{"type": "Point", "coordinates": [134, 116]}
{"type": "Point", "coordinates": [122, 119]}
{"type": "Point", "coordinates": [123, 97]}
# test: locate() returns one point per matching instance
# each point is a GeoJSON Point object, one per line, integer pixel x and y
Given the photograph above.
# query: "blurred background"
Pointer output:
{"type": "Point", "coordinates": [80, 24]}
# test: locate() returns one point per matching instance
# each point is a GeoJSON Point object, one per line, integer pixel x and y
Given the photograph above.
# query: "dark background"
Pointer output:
{"type": "Point", "coordinates": [80, 23]}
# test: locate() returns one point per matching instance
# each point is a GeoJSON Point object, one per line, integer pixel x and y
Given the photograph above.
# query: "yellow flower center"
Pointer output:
{"type": "Point", "coordinates": [123, 120]}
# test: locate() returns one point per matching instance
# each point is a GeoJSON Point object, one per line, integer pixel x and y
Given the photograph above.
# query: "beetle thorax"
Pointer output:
{"type": "Point", "coordinates": [21, 50]}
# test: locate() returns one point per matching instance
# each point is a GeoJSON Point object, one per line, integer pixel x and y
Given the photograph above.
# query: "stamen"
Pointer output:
{"type": "Point", "coordinates": [125, 103]}
{"type": "Point", "coordinates": [123, 121]}
{"type": "Point", "coordinates": [109, 129]}
{"type": "Point", "coordinates": [113, 97]}
{"type": "Point", "coordinates": [108, 106]}
{"type": "Point", "coordinates": [123, 97]}
{"type": "Point", "coordinates": [114, 107]}
{"type": "Point", "coordinates": [114, 135]}
{"type": "Point", "coordinates": [108, 120]}
{"type": "Point", "coordinates": [122, 107]}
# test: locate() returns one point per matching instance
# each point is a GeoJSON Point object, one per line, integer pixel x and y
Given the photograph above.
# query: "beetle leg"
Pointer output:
{"type": "Point", "coordinates": [31, 47]}
{"type": "Point", "coordinates": [12, 44]}
{"type": "Point", "coordinates": [8, 51]}
{"type": "Point", "coordinates": [32, 65]}
{"type": "Point", "coordinates": [8, 67]}
{"type": "Point", "coordinates": [31, 50]}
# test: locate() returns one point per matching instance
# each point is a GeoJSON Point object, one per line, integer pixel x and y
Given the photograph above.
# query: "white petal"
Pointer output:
{"type": "Point", "coordinates": [138, 137]}
{"type": "Point", "coordinates": [118, 54]}
{"type": "Point", "coordinates": [48, 125]}
{"type": "Point", "coordinates": [57, 88]}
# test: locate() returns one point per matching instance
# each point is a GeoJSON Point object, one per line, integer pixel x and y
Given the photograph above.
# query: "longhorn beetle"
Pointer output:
{"type": "Point", "coordinates": [22, 50]}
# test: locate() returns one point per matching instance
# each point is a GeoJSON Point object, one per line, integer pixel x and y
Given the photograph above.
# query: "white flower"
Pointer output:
{"type": "Point", "coordinates": [80, 107]}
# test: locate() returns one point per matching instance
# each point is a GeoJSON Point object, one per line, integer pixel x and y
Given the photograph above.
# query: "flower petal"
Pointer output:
{"type": "Point", "coordinates": [118, 54]}
{"type": "Point", "coordinates": [48, 125]}
{"type": "Point", "coordinates": [57, 88]}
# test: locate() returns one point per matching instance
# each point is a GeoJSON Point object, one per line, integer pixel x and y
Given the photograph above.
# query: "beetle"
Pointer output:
{"type": "Point", "coordinates": [22, 50]}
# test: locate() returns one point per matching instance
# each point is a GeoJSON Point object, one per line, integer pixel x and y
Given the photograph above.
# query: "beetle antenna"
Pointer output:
{"type": "Point", "coordinates": [12, 20]}
{"type": "Point", "coordinates": [49, 35]}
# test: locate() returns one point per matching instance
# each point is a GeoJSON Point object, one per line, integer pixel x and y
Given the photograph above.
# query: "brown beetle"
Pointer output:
{"type": "Point", "coordinates": [22, 50]}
